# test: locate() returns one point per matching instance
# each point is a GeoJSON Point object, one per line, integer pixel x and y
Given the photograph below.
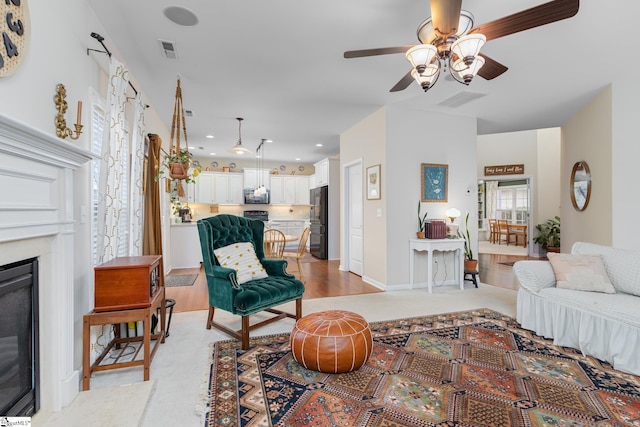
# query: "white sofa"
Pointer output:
{"type": "Point", "coordinates": [605, 326]}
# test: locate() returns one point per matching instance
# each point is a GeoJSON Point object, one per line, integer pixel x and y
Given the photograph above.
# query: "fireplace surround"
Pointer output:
{"type": "Point", "coordinates": [37, 221]}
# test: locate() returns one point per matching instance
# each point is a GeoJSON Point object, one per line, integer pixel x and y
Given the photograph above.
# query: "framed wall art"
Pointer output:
{"type": "Point", "coordinates": [434, 182]}
{"type": "Point", "coordinates": [373, 182]}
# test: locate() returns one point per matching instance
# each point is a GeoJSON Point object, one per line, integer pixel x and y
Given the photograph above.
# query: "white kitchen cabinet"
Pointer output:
{"type": "Point", "coordinates": [289, 227]}
{"type": "Point", "coordinates": [205, 188]}
{"type": "Point", "coordinates": [228, 188]}
{"type": "Point", "coordinates": [190, 191]}
{"type": "Point", "coordinates": [219, 188]}
{"type": "Point", "coordinates": [255, 177]}
{"type": "Point", "coordinates": [322, 172]}
{"type": "Point", "coordinates": [312, 181]}
{"type": "Point", "coordinates": [289, 190]}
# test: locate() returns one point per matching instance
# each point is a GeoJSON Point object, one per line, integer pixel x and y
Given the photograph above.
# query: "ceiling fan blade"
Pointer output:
{"type": "Point", "coordinates": [445, 16]}
{"type": "Point", "coordinates": [535, 17]}
{"type": "Point", "coordinates": [378, 51]}
{"type": "Point", "coordinates": [491, 68]}
{"type": "Point", "coordinates": [403, 83]}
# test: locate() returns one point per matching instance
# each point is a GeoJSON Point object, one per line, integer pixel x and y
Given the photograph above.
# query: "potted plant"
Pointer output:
{"type": "Point", "coordinates": [549, 234]}
{"type": "Point", "coordinates": [180, 166]}
{"type": "Point", "coordinates": [470, 263]}
{"type": "Point", "coordinates": [421, 222]}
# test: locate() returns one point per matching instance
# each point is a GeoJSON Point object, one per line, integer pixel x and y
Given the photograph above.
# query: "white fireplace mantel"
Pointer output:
{"type": "Point", "coordinates": [37, 220]}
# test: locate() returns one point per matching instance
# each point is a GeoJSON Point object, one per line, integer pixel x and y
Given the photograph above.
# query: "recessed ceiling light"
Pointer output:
{"type": "Point", "coordinates": [181, 16]}
{"type": "Point", "coordinates": [297, 159]}
{"type": "Point", "coordinates": [268, 140]}
{"type": "Point", "coordinates": [192, 148]}
{"type": "Point", "coordinates": [212, 154]}
{"type": "Point", "coordinates": [210, 136]}
{"type": "Point", "coordinates": [318, 145]}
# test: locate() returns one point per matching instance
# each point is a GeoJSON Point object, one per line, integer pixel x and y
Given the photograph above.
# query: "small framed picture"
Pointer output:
{"type": "Point", "coordinates": [434, 180]}
{"type": "Point", "coordinates": [373, 182]}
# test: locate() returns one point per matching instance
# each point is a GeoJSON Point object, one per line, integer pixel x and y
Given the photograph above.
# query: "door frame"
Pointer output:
{"type": "Point", "coordinates": [345, 249]}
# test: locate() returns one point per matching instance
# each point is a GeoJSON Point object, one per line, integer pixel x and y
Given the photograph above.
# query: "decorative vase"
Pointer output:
{"type": "Point", "coordinates": [420, 234]}
{"type": "Point", "coordinates": [471, 265]}
{"type": "Point", "coordinates": [178, 170]}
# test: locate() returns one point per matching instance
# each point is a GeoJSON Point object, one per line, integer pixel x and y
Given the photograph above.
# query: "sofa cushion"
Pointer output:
{"type": "Point", "coordinates": [622, 265]}
{"type": "Point", "coordinates": [580, 272]}
{"type": "Point", "coordinates": [242, 258]}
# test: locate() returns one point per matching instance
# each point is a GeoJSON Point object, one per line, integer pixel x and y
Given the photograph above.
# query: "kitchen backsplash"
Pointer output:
{"type": "Point", "coordinates": [275, 212]}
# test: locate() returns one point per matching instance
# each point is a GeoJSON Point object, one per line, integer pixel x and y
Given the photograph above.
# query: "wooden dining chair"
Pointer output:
{"type": "Point", "coordinates": [299, 254]}
{"type": "Point", "coordinates": [274, 243]}
{"type": "Point", "coordinates": [493, 231]}
{"type": "Point", "coordinates": [503, 230]}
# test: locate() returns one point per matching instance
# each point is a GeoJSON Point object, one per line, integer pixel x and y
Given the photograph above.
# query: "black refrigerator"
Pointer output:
{"type": "Point", "coordinates": [318, 238]}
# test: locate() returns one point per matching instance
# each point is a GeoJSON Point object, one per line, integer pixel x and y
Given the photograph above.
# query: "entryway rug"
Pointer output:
{"type": "Point", "coordinates": [472, 368]}
{"type": "Point", "coordinates": [180, 279]}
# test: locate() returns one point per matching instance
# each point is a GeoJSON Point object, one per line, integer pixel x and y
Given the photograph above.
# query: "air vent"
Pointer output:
{"type": "Point", "coordinates": [168, 49]}
{"type": "Point", "coordinates": [461, 98]}
{"type": "Point", "coordinates": [188, 113]}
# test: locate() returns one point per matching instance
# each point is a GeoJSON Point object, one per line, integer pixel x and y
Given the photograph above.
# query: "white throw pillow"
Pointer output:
{"type": "Point", "coordinates": [242, 258]}
{"type": "Point", "coordinates": [580, 272]}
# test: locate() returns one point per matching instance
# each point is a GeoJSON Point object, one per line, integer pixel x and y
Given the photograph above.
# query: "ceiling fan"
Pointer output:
{"type": "Point", "coordinates": [448, 39]}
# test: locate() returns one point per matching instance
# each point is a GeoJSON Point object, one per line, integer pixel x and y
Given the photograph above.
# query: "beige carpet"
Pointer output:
{"type": "Point", "coordinates": [179, 368]}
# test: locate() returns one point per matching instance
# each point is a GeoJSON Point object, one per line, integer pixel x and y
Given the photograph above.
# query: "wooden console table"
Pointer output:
{"type": "Point", "coordinates": [119, 344]}
{"type": "Point", "coordinates": [442, 245]}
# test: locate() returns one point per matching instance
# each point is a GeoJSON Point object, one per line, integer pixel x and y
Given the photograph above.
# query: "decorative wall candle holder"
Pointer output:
{"type": "Point", "coordinates": [61, 124]}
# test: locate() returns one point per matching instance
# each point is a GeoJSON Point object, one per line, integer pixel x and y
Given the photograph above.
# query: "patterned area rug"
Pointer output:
{"type": "Point", "coordinates": [474, 368]}
{"type": "Point", "coordinates": [180, 279]}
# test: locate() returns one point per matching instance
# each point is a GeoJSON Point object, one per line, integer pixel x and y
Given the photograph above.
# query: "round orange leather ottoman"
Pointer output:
{"type": "Point", "coordinates": [333, 341]}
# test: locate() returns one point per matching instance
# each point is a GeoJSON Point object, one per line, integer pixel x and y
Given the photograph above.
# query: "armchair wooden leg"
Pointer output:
{"type": "Point", "coordinates": [210, 318]}
{"type": "Point", "coordinates": [245, 332]}
{"type": "Point", "coordinates": [298, 308]}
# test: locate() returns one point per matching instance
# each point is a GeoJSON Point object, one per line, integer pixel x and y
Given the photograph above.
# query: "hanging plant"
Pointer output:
{"type": "Point", "coordinates": [178, 162]}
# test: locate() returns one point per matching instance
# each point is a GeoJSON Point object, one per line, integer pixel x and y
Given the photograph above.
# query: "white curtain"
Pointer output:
{"type": "Point", "coordinates": [113, 168]}
{"type": "Point", "coordinates": [492, 198]}
{"type": "Point", "coordinates": [136, 209]}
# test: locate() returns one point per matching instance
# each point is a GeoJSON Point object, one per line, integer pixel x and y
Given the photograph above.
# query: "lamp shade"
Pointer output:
{"type": "Point", "coordinates": [239, 149]}
{"type": "Point", "coordinates": [428, 77]}
{"type": "Point", "coordinates": [468, 47]}
{"type": "Point", "coordinates": [466, 73]}
{"type": "Point", "coordinates": [420, 56]}
{"type": "Point", "coordinates": [452, 213]}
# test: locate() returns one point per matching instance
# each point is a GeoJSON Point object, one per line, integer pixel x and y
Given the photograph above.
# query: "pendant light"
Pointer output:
{"type": "Point", "coordinates": [260, 189]}
{"type": "Point", "coordinates": [239, 148]}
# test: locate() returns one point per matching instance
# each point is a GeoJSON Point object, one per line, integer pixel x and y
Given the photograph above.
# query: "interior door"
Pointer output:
{"type": "Point", "coordinates": [355, 204]}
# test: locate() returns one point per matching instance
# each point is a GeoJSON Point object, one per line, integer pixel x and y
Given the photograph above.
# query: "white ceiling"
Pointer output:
{"type": "Point", "coordinates": [279, 64]}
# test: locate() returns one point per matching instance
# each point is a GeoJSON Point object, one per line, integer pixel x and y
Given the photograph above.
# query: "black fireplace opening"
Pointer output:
{"type": "Point", "coordinates": [19, 364]}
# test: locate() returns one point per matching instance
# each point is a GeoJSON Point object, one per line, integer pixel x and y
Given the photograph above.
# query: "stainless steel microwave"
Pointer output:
{"type": "Point", "coordinates": [250, 198]}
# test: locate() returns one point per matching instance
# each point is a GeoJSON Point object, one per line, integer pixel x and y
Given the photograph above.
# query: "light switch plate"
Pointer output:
{"type": "Point", "coordinates": [379, 212]}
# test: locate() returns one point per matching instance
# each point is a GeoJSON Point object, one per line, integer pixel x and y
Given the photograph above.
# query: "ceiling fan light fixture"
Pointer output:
{"type": "Point", "coordinates": [465, 73]}
{"type": "Point", "coordinates": [421, 56]}
{"type": "Point", "coordinates": [468, 47]}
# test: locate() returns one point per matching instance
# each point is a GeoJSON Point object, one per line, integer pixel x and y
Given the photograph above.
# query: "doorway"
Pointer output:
{"type": "Point", "coordinates": [509, 199]}
{"type": "Point", "coordinates": [353, 229]}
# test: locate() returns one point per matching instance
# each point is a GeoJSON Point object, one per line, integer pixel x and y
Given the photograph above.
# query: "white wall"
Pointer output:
{"type": "Point", "coordinates": [625, 203]}
{"type": "Point", "coordinates": [414, 137]}
{"type": "Point", "coordinates": [366, 141]}
{"type": "Point", "coordinates": [587, 136]}
{"type": "Point", "coordinates": [60, 35]}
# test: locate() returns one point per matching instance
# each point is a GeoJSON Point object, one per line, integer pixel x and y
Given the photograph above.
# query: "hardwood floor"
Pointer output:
{"type": "Point", "coordinates": [325, 280]}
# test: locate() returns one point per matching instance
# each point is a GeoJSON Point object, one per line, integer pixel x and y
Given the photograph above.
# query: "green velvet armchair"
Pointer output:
{"type": "Point", "coordinates": [250, 297]}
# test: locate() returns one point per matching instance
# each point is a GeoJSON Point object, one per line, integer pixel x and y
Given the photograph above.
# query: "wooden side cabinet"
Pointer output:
{"type": "Point", "coordinates": [127, 282]}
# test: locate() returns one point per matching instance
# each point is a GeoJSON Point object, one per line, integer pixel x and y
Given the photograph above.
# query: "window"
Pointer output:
{"type": "Point", "coordinates": [98, 118]}
{"type": "Point", "coordinates": [513, 203]}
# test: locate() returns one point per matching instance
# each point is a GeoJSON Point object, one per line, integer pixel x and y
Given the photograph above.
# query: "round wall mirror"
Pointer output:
{"type": "Point", "coordinates": [580, 185]}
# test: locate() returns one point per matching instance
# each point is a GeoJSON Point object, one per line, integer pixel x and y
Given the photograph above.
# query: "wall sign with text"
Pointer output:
{"type": "Point", "coordinates": [14, 35]}
{"type": "Point", "coordinates": [504, 170]}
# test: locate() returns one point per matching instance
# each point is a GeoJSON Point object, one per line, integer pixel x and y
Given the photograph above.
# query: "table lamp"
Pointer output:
{"type": "Point", "coordinates": [452, 214]}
